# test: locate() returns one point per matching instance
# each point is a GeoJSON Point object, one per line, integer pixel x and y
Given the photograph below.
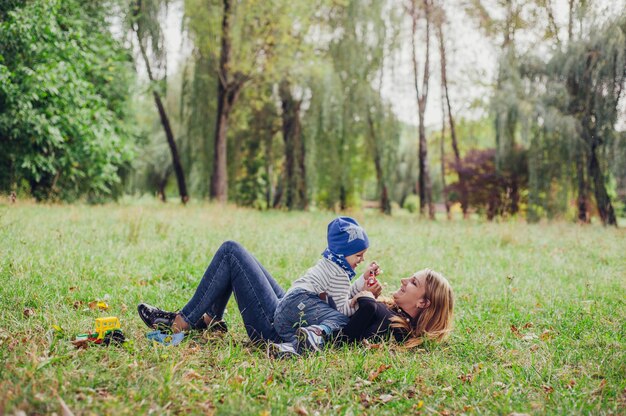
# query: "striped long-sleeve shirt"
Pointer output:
{"type": "Point", "coordinates": [327, 277]}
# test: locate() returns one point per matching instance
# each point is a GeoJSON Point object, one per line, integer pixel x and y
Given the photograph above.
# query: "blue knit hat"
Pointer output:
{"type": "Point", "coordinates": [346, 237]}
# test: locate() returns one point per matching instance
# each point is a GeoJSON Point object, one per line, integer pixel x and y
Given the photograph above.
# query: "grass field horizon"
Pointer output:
{"type": "Point", "coordinates": [540, 315]}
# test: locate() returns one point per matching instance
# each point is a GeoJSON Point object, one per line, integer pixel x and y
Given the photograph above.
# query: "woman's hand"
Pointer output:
{"type": "Point", "coordinates": [361, 294]}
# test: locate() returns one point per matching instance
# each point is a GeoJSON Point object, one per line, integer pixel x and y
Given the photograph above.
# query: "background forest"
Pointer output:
{"type": "Point", "coordinates": [295, 105]}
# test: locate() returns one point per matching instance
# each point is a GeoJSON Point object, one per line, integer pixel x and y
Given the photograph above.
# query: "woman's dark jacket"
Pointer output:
{"type": "Point", "coordinates": [373, 321]}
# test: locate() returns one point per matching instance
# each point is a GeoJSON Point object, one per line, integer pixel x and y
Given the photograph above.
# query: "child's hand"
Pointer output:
{"type": "Point", "coordinates": [372, 270]}
{"type": "Point", "coordinates": [370, 274]}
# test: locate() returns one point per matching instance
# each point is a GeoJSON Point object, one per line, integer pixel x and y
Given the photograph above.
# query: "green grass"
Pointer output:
{"type": "Point", "coordinates": [561, 285]}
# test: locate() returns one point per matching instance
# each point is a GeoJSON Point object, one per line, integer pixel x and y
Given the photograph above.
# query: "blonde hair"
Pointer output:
{"type": "Point", "coordinates": [435, 321]}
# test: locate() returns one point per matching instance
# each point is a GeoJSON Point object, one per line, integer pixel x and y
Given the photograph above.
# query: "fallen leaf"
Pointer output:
{"type": "Point", "coordinates": [103, 306]}
{"type": "Point", "coordinates": [93, 304]}
{"type": "Point", "coordinates": [81, 344]}
{"type": "Point", "coordinates": [515, 331]}
{"type": "Point", "coordinates": [465, 378]}
{"type": "Point", "coordinates": [269, 380]}
{"type": "Point", "coordinates": [73, 288]}
{"type": "Point", "coordinates": [381, 369]}
{"type": "Point", "coordinates": [546, 335]}
{"type": "Point", "coordinates": [78, 304]}
{"type": "Point", "coordinates": [192, 375]}
{"type": "Point", "coordinates": [386, 398]}
{"type": "Point", "coordinates": [420, 404]}
{"type": "Point", "coordinates": [571, 384]}
{"type": "Point", "coordinates": [300, 410]}
{"type": "Point", "coordinates": [237, 379]}
{"type": "Point", "coordinates": [528, 325]}
{"type": "Point", "coordinates": [547, 389]}
{"type": "Point", "coordinates": [28, 312]}
{"type": "Point", "coordinates": [366, 400]}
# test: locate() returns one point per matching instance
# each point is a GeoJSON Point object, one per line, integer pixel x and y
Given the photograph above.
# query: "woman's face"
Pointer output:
{"type": "Point", "coordinates": [411, 294]}
{"type": "Point", "coordinates": [356, 258]}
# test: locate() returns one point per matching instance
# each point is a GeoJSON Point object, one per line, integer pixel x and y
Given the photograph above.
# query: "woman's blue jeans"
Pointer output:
{"type": "Point", "coordinates": [234, 270]}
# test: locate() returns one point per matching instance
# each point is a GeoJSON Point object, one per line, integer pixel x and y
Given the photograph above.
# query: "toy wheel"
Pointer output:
{"type": "Point", "coordinates": [116, 336]}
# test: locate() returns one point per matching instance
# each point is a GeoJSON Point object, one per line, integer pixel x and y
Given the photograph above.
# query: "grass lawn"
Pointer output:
{"type": "Point", "coordinates": [540, 325]}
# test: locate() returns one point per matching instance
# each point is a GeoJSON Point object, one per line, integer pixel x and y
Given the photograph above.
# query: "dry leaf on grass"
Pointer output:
{"type": "Point", "coordinates": [300, 410]}
{"type": "Point", "coordinates": [381, 369]}
{"type": "Point", "coordinates": [192, 375]}
{"type": "Point", "coordinates": [546, 335]}
{"type": "Point", "coordinates": [237, 379]}
{"type": "Point", "coordinates": [28, 312]}
{"type": "Point", "coordinates": [385, 398]}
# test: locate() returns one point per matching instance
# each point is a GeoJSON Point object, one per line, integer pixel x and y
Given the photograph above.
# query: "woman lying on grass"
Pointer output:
{"type": "Point", "coordinates": [420, 309]}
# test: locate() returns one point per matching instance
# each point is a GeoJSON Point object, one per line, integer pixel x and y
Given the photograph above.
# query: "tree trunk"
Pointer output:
{"type": "Point", "coordinates": [603, 200]}
{"type": "Point", "coordinates": [295, 173]}
{"type": "Point", "coordinates": [581, 201]}
{"type": "Point", "coordinates": [424, 182]}
{"type": "Point", "coordinates": [269, 169]}
{"type": "Point", "coordinates": [570, 21]}
{"type": "Point", "coordinates": [444, 191]}
{"type": "Point", "coordinates": [228, 89]}
{"type": "Point", "coordinates": [385, 204]}
{"type": "Point", "coordinates": [219, 177]}
{"type": "Point", "coordinates": [455, 145]}
{"type": "Point", "coordinates": [165, 122]}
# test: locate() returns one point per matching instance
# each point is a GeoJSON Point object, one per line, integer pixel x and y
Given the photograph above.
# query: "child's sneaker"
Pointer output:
{"type": "Point", "coordinates": [283, 350]}
{"type": "Point", "coordinates": [310, 338]}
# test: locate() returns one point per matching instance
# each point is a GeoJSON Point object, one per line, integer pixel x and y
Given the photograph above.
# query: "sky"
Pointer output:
{"type": "Point", "coordinates": [472, 61]}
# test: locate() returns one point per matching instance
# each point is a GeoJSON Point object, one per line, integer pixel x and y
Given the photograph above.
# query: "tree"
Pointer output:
{"type": "Point", "coordinates": [424, 184]}
{"type": "Point", "coordinates": [445, 98]}
{"type": "Point", "coordinates": [64, 92]}
{"type": "Point", "coordinates": [144, 22]}
{"type": "Point", "coordinates": [295, 169]}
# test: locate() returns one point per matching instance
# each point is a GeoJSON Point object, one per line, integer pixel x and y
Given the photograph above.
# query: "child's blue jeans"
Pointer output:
{"type": "Point", "coordinates": [299, 307]}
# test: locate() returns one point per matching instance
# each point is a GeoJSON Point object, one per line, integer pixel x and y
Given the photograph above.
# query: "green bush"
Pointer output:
{"type": "Point", "coordinates": [411, 203]}
{"type": "Point", "coordinates": [64, 93]}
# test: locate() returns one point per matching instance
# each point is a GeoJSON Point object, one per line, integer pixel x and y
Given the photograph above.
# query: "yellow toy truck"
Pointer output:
{"type": "Point", "coordinates": [106, 330]}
